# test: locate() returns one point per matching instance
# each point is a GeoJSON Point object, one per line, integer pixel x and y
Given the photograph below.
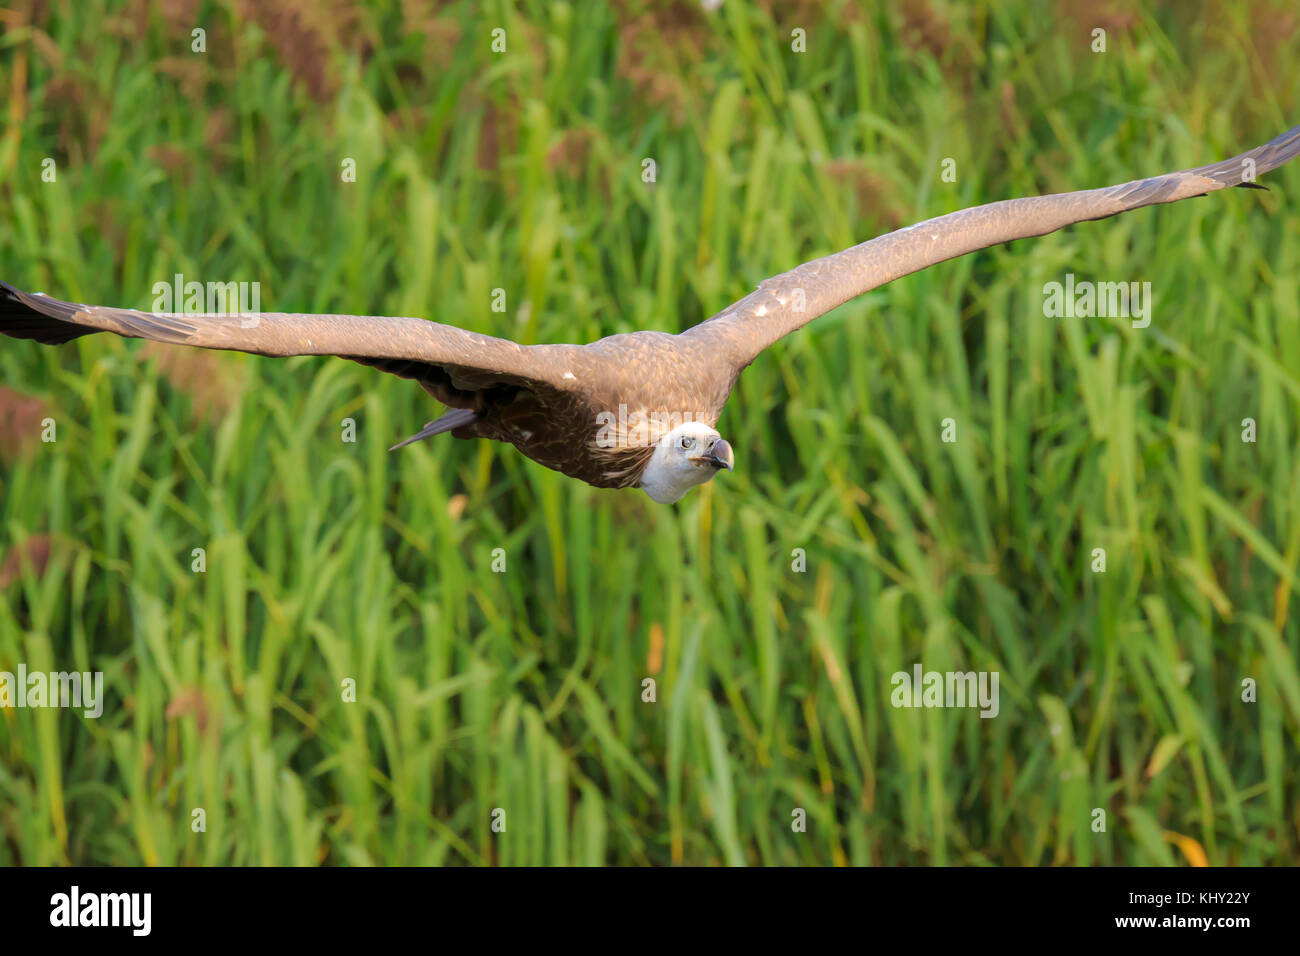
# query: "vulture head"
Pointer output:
{"type": "Point", "coordinates": [687, 456]}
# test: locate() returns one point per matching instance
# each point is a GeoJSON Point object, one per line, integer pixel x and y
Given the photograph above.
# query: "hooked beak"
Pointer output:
{"type": "Point", "coordinates": [721, 456]}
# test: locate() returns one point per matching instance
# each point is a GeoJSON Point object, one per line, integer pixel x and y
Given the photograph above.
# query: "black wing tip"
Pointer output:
{"type": "Point", "coordinates": [37, 316]}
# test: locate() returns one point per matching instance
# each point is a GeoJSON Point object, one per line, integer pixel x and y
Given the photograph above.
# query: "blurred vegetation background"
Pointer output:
{"type": "Point", "coordinates": [522, 691]}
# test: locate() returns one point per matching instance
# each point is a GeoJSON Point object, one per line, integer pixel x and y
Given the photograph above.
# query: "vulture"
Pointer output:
{"type": "Point", "coordinates": [635, 409]}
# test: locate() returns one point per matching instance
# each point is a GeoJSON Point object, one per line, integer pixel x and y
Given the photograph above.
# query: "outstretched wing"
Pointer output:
{"type": "Point", "coordinates": [793, 299]}
{"type": "Point", "coordinates": [454, 365]}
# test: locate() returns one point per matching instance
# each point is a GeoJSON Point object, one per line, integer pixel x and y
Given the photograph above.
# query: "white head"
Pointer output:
{"type": "Point", "coordinates": [687, 456]}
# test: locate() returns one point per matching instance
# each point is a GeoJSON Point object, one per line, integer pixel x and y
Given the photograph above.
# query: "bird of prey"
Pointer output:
{"type": "Point", "coordinates": [636, 409]}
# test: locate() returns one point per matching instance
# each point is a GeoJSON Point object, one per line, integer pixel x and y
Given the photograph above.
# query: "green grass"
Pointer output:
{"type": "Point", "coordinates": [476, 690]}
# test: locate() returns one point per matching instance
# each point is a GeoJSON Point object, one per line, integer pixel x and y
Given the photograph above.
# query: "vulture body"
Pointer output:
{"type": "Point", "coordinates": [635, 409]}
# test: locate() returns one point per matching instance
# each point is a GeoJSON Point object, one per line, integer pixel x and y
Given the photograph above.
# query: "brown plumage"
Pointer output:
{"type": "Point", "coordinates": [555, 402]}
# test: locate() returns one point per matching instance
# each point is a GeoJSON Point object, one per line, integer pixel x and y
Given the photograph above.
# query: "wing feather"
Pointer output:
{"type": "Point", "coordinates": [412, 348]}
{"type": "Point", "coordinates": [791, 300]}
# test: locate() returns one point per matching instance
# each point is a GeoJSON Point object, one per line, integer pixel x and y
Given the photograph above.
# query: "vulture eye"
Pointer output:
{"type": "Point", "coordinates": [688, 441]}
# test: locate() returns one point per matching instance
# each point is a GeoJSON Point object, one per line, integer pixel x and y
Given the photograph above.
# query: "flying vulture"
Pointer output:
{"type": "Point", "coordinates": [636, 409]}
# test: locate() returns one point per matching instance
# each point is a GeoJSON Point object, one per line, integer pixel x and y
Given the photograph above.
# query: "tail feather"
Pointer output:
{"type": "Point", "coordinates": [454, 418]}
